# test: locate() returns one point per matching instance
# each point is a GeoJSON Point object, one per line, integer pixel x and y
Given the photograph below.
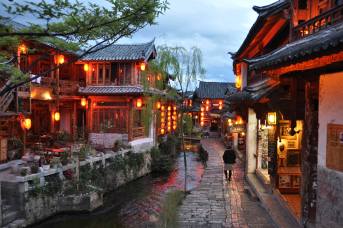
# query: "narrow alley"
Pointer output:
{"type": "Point", "coordinates": [219, 203]}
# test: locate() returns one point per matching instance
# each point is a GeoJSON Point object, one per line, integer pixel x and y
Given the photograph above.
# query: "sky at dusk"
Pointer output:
{"type": "Point", "coordinates": [215, 26]}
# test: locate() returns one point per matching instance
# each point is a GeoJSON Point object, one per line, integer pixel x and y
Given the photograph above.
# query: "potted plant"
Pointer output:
{"type": "Point", "coordinates": [23, 171]}
{"type": "Point", "coordinates": [84, 152]}
{"type": "Point", "coordinates": [64, 158]}
{"type": "Point", "coordinates": [34, 169]}
{"type": "Point", "coordinates": [55, 162]}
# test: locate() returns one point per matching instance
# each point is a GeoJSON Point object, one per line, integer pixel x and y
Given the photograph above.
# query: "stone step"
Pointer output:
{"type": "Point", "coordinates": [9, 217]}
{"type": "Point", "coordinates": [18, 223]}
{"type": "Point", "coordinates": [250, 193]}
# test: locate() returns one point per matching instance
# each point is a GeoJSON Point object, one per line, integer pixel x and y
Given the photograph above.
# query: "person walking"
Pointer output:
{"type": "Point", "coordinates": [229, 158]}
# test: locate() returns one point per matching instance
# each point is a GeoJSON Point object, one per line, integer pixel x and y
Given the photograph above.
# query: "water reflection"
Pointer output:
{"type": "Point", "coordinates": [136, 204]}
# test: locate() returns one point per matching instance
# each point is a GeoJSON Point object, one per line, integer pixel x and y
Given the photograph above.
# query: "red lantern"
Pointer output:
{"type": "Point", "coordinates": [158, 105]}
{"type": "Point", "coordinates": [86, 67]}
{"type": "Point", "coordinates": [139, 103]}
{"type": "Point", "coordinates": [83, 102]}
{"type": "Point", "coordinates": [22, 49]}
{"type": "Point", "coordinates": [142, 66]}
{"type": "Point", "coordinates": [59, 59]}
{"type": "Point", "coordinates": [26, 123]}
{"type": "Point", "coordinates": [57, 116]}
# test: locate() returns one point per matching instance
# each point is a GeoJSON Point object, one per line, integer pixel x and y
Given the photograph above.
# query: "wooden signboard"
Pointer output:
{"type": "Point", "coordinates": [334, 147]}
{"type": "Point", "coordinates": [3, 149]}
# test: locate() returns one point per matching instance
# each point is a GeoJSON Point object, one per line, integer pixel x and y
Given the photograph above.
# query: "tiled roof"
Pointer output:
{"type": "Point", "coordinates": [117, 52]}
{"type": "Point", "coordinates": [214, 90]}
{"type": "Point", "coordinates": [116, 90]}
{"type": "Point", "coordinates": [254, 92]}
{"type": "Point", "coordinates": [329, 39]}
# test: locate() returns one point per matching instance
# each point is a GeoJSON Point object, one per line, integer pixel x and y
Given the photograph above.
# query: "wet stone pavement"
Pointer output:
{"type": "Point", "coordinates": [219, 203]}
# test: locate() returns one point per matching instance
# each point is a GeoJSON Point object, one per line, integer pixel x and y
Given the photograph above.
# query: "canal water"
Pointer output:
{"type": "Point", "coordinates": [136, 204]}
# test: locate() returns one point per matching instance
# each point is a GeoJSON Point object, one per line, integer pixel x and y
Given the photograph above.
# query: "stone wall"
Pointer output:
{"type": "Point", "coordinates": [118, 169]}
{"type": "Point", "coordinates": [329, 198]}
{"type": "Point", "coordinates": [106, 140]}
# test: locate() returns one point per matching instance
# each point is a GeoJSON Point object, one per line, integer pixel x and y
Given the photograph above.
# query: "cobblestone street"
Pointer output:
{"type": "Point", "coordinates": [218, 203]}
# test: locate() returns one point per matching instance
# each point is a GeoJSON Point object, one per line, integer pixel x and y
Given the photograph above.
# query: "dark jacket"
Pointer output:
{"type": "Point", "coordinates": [229, 156]}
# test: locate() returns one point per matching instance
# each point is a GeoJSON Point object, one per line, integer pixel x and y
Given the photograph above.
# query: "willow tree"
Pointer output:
{"type": "Point", "coordinates": [70, 25]}
{"type": "Point", "coordinates": [185, 66]}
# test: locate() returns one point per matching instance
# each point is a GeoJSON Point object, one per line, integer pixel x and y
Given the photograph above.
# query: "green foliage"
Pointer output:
{"type": "Point", "coordinates": [163, 157]}
{"type": "Point", "coordinates": [169, 212]}
{"type": "Point", "coordinates": [85, 150]}
{"type": "Point", "coordinates": [187, 124]}
{"type": "Point", "coordinates": [52, 187]}
{"type": "Point", "coordinates": [63, 136]}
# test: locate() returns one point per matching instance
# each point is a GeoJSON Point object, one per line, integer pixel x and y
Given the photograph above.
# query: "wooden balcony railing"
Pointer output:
{"type": "Point", "coordinates": [68, 88]}
{"type": "Point", "coordinates": [328, 18]}
{"type": "Point", "coordinates": [138, 132]}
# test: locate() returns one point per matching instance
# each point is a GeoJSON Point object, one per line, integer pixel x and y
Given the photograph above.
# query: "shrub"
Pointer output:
{"type": "Point", "coordinates": [168, 216]}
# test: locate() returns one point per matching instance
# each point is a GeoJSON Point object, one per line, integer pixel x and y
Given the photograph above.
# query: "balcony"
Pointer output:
{"type": "Point", "coordinates": [320, 22]}
{"type": "Point", "coordinates": [46, 88]}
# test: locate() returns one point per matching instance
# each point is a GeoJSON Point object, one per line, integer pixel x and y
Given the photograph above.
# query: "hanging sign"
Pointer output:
{"type": "Point", "coordinates": [334, 147]}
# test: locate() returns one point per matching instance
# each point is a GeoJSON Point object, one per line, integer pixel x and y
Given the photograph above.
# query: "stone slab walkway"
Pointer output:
{"type": "Point", "coordinates": [218, 203]}
{"type": "Point", "coordinates": [206, 206]}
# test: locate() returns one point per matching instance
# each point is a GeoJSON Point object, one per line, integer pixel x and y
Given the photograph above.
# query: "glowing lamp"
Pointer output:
{"type": "Point", "coordinates": [196, 117]}
{"type": "Point", "coordinates": [202, 109]}
{"type": "Point", "coordinates": [220, 107]}
{"type": "Point", "coordinates": [59, 59]}
{"type": "Point", "coordinates": [57, 116]}
{"type": "Point", "coordinates": [162, 114]}
{"type": "Point", "coordinates": [162, 131]}
{"type": "Point", "coordinates": [207, 108]}
{"type": "Point", "coordinates": [86, 67]}
{"type": "Point", "coordinates": [162, 108]}
{"type": "Point", "coordinates": [169, 108]}
{"type": "Point", "coordinates": [83, 102]}
{"type": "Point", "coordinates": [238, 82]}
{"type": "Point", "coordinates": [169, 128]}
{"type": "Point", "coordinates": [142, 66]}
{"type": "Point", "coordinates": [220, 102]}
{"type": "Point", "coordinates": [158, 105]}
{"type": "Point", "coordinates": [271, 118]}
{"type": "Point", "coordinates": [202, 114]}
{"type": "Point", "coordinates": [26, 123]}
{"type": "Point", "coordinates": [202, 123]}
{"type": "Point", "coordinates": [174, 127]}
{"type": "Point", "coordinates": [22, 49]}
{"type": "Point", "coordinates": [159, 77]}
{"type": "Point", "coordinates": [139, 103]}
{"type": "Point", "coordinates": [207, 102]}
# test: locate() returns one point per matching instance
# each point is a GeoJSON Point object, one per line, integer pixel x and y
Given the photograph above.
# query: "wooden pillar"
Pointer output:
{"type": "Point", "coordinates": [309, 153]}
{"type": "Point", "coordinates": [130, 120]}
{"type": "Point", "coordinates": [74, 121]}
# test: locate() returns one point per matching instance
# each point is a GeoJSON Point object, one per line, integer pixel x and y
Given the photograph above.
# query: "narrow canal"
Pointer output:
{"type": "Point", "coordinates": [136, 204]}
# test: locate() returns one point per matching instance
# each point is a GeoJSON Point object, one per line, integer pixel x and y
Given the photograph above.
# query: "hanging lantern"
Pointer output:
{"type": "Point", "coordinates": [142, 66]}
{"type": "Point", "coordinates": [83, 102]}
{"type": "Point", "coordinates": [271, 118]}
{"type": "Point", "coordinates": [202, 109]}
{"type": "Point", "coordinates": [162, 131]}
{"type": "Point", "coordinates": [238, 82]}
{"type": "Point", "coordinates": [139, 102]}
{"type": "Point", "coordinates": [162, 108]}
{"type": "Point", "coordinates": [22, 49]}
{"type": "Point", "coordinates": [86, 67]}
{"type": "Point", "coordinates": [26, 123]}
{"type": "Point", "coordinates": [57, 116]}
{"type": "Point", "coordinates": [174, 127]}
{"type": "Point", "coordinates": [158, 105]}
{"type": "Point", "coordinates": [202, 123]}
{"type": "Point", "coordinates": [169, 108]}
{"type": "Point", "coordinates": [59, 59]}
{"type": "Point", "coordinates": [207, 108]}
{"type": "Point", "coordinates": [174, 108]}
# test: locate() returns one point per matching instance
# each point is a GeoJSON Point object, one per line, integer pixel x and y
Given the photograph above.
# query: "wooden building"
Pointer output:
{"type": "Point", "coordinates": [289, 71]}
{"type": "Point", "coordinates": [208, 102]}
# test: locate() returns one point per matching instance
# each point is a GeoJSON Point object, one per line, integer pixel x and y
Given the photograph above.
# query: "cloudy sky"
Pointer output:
{"type": "Point", "coordinates": [215, 26]}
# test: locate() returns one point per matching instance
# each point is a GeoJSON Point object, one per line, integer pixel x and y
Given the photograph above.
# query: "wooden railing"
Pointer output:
{"type": "Point", "coordinates": [138, 132]}
{"type": "Point", "coordinates": [68, 87]}
{"type": "Point", "coordinates": [328, 18]}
